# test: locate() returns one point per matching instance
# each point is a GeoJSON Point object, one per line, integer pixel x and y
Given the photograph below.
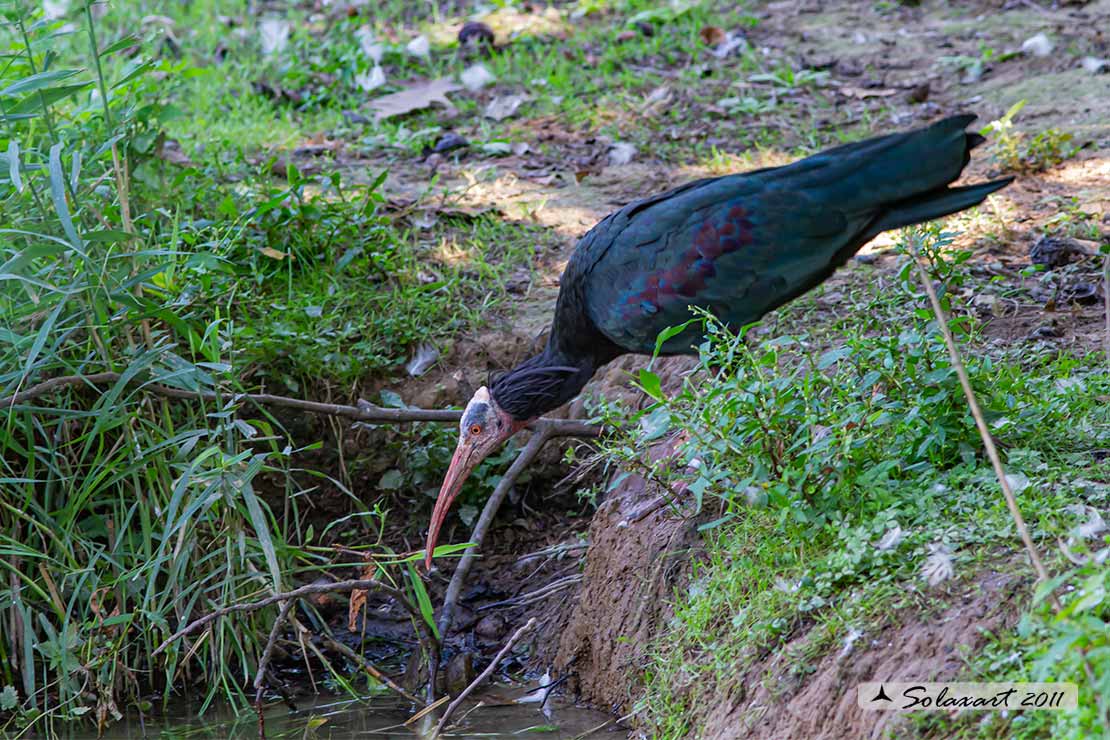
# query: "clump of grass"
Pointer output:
{"type": "Point", "coordinates": [122, 514]}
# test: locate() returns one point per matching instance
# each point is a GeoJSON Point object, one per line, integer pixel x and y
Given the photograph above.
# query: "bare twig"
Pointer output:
{"type": "Point", "coordinates": [311, 588]}
{"type": "Point", "coordinates": [287, 599]}
{"type": "Point", "coordinates": [540, 593]}
{"type": "Point", "coordinates": [458, 578]}
{"type": "Point", "coordinates": [365, 411]}
{"type": "Point", "coordinates": [1034, 6]}
{"type": "Point", "coordinates": [483, 675]}
{"type": "Point", "coordinates": [425, 711]}
{"type": "Point", "coordinates": [264, 664]}
{"type": "Point", "coordinates": [553, 551]}
{"type": "Point", "coordinates": [370, 668]}
{"type": "Point", "coordinates": [984, 430]}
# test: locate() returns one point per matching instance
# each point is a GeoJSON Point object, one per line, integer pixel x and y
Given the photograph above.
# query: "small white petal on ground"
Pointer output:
{"type": "Point", "coordinates": [372, 80]}
{"type": "Point", "coordinates": [891, 539]}
{"type": "Point", "coordinates": [419, 47]}
{"type": "Point", "coordinates": [504, 106]}
{"type": "Point", "coordinates": [425, 357]}
{"type": "Point", "coordinates": [476, 77]}
{"type": "Point", "coordinates": [621, 153]}
{"type": "Point", "coordinates": [1018, 481]}
{"type": "Point", "coordinates": [273, 35]}
{"type": "Point", "coordinates": [1039, 45]}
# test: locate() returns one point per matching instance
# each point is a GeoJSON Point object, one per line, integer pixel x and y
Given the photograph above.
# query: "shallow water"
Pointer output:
{"type": "Point", "coordinates": [377, 717]}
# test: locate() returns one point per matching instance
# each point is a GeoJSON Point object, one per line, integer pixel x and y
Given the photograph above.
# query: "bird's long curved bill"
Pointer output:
{"type": "Point", "coordinates": [457, 473]}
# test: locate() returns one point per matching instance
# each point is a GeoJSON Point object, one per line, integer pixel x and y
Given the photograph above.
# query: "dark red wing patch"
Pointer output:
{"type": "Point", "coordinates": [687, 277]}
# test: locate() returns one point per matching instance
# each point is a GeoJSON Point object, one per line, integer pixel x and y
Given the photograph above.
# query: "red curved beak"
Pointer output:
{"type": "Point", "coordinates": [462, 463]}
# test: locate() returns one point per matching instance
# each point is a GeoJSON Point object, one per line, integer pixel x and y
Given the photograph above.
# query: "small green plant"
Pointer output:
{"type": "Point", "coordinates": [747, 105]}
{"type": "Point", "coordinates": [1072, 220]}
{"type": "Point", "coordinates": [1016, 151]}
{"type": "Point", "coordinates": [788, 78]}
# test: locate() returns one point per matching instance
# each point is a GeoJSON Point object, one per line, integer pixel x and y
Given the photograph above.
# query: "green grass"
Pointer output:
{"type": "Point", "coordinates": [123, 515]}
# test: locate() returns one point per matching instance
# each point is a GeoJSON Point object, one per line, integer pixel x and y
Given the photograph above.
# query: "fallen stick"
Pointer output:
{"type": "Point", "coordinates": [458, 578]}
{"type": "Point", "coordinates": [287, 599]}
{"type": "Point", "coordinates": [1106, 304]}
{"type": "Point", "coordinates": [996, 461]}
{"type": "Point", "coordinates": [482, 676]}
{"type": "Point", "coordinates": [370, 668]}
{"type": "Point", "coordinates": [364, 411]}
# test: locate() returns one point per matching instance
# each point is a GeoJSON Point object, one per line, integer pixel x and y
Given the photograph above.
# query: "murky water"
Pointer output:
{"type": "Point", "coordinates": [378, 717]}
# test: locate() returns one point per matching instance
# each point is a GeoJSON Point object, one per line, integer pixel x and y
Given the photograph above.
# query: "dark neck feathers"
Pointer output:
{"type": "Point", "coordinates": [541, 383]}
{"type": "Point", "coordinates": [575, 350]}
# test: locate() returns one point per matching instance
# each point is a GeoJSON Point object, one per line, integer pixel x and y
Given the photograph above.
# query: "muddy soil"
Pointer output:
{"type": "Point", "coordinates": [771, 701]}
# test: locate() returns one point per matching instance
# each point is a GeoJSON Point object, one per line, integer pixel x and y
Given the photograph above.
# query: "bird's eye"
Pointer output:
{"type": "Point", "coordinates": [475, 428]}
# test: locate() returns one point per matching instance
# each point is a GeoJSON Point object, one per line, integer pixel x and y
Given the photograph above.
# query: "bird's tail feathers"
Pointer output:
{"type": "Point", "coordinates": [936, 204]}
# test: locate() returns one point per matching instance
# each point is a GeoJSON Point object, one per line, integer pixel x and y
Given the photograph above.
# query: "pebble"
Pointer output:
{"type": "Point", "coordinates": [490, 627]}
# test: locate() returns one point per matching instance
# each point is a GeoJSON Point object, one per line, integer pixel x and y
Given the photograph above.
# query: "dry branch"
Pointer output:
{"type": "Point", "coordinates": [364, 411]}
{"type": "Point", "coordinates": [533, 596]}
{"type": "Point", "coordinates": [362, 584]}
{"type": "Point", "coordinates": [287, 599]}
{"type": "Point", "coordinates": [482, 676]}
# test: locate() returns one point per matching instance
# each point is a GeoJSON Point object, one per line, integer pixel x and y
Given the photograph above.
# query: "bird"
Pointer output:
{"type": "Point", "coordinates": [736, 246]}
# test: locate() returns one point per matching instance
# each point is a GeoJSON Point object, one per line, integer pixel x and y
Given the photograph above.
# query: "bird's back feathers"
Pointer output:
{"type": "Point", "coordinates": [742, 245]}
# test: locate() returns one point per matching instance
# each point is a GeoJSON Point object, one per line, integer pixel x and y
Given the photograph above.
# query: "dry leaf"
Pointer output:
{"type": "Point", "coordinates": [358, 599]}
{"type": "Point", "coordinates": [274, 254]}
{"type": "Point", "coordinates": [171, 152]}
{"type": "Point", "coordinates": [1038, 46]}
{"type": "Point", "coordinates": [731, 43]}
{"type": "Point", "coordinates": [621, 153]}
{"type": "Point", "coordinates": [712, 35]}
{"type": "Point", "coordinates": [1093, 523]}
{"type": "Point", "coordinates": [504, 106]}
{"type": "Point", "coordinates": [419, 96]}
{"type": "Point", "coordinates": [1018, 481]}
{"type": "Point", "coordinates": [657, 101]}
